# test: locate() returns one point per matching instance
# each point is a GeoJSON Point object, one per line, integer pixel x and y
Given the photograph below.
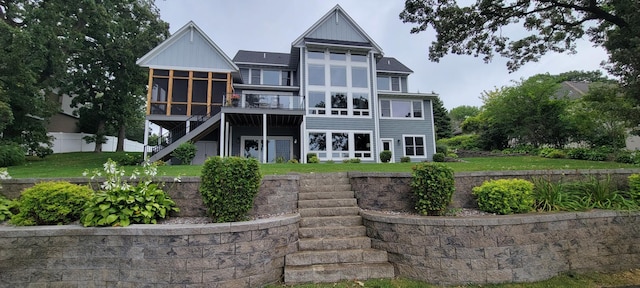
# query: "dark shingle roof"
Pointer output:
{"type": "Point", "coordinates": [392, 64]}
{"type": "Point", "coordinates": [573, 89]}
{"type": "Point", "coordinates": [260, 57]}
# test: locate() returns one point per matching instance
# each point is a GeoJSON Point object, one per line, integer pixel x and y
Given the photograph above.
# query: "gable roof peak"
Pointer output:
{"type": "Point", "coordinates": [343, 31]}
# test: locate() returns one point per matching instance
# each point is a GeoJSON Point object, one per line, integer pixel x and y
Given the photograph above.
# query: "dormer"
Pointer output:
{"type": "Point", "coordinates": [392, 75]}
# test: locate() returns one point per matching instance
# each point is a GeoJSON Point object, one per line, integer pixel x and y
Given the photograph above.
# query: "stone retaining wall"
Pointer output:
{"type": "Point", "coordinates": [517, 248]}
{"type": "Point", "coordinates": [278, 194]}
{"type": "Point", "coordinates": [391, 191]}
{"type": "Point", "coordinates": [242, 254]}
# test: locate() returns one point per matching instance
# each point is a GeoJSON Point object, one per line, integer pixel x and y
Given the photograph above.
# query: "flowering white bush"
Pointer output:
{"type": "Point", "coordinates": [115, 176]}
{"type": "Point", "coordinates": [4, 175]}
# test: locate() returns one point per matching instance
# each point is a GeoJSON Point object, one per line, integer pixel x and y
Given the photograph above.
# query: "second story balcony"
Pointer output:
{"type": "Point", "coordinates": [265, 101]}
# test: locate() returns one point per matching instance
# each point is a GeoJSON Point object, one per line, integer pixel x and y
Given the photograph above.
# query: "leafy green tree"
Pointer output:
{"type": "Point", "coordinates": [603, 117]}
{"type": "Point", "coordinates": [460, 113]}
{"type": "Point", "coordinates": [441, 120]}
{"type": "Point", "coordinates": [551, 26]}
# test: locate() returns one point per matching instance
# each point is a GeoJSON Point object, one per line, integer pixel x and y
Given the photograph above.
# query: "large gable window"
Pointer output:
{"type": "Point", "coordinates": [338, 76]}
{"type": "Point", "coordinates": [316, 74]}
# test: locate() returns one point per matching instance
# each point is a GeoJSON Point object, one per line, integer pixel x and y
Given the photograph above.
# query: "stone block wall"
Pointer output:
{"type": "Point", "coordinates": [516, 248]}
{"type": "Point", "coordinates": [391, 191]}
{"type": "Point", "coordinates": [278, 194]}
{"type": "Point", "coordinates": [242, 254]}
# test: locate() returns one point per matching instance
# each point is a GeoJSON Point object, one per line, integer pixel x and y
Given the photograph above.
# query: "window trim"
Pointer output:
{"type": "Point", "coordinates": [414, 136]}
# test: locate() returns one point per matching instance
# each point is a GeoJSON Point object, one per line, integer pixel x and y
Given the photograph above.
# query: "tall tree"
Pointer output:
{"type": "Point", "coordinates": [460, 113]}
{"type": "Point", "coordinates": [550, 25]}
{"type": "Point", "coordinates": [441, 120]}
{"type": "Point", "coordinates": [102, 69]}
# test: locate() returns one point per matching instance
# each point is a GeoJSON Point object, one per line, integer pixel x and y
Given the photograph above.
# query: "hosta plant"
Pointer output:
{"type": "Point", "coordinates": [120, 203]}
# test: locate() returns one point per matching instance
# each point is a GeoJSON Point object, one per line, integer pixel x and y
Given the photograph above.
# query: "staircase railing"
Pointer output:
{"type": "Point", "coordinates": [176, 133]}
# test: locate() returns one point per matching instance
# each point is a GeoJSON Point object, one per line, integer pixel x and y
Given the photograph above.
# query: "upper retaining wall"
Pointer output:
{"type": "Point", "coordinates": [241, 254]}
{"type": "Point", "coordinates": [391, 191]}
{"type": "Point", "coordinates": [278, 194]}
{"type": "Point", "coordinates": [515, 248]}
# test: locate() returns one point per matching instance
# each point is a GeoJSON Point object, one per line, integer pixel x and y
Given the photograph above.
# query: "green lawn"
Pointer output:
{"type": "Point", "coordinates": [73, 164]}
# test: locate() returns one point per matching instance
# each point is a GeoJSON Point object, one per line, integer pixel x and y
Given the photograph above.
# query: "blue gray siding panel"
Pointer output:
{"type": "Point", "coordinates": [395, 128]}
{"type": "Point", "coordinates": [196, 54]}
{"type": "Point", "coordinates": [337, 30]}
{"type": "Point", "coordinates": [339, 123]}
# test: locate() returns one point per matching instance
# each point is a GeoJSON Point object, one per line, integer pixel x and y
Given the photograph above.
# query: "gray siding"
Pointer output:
{"type": "Point", "coordinates": [339, 123]}
{"type": "Point", "coordinates": [196, 54]}
{"type": "Point", "coordinates": [392, 128]}
{"type": "Point", "coordinates": [342, 30]}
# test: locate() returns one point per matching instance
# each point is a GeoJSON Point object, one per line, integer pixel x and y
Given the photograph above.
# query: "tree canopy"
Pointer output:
{"type": "Point", "coordinates": [550, 26]}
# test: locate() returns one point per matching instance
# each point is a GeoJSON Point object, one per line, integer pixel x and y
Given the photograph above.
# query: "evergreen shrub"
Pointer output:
{"type": "Point", "coordinates": [432, 184]}
{"type": "Point", "coordinates": [505, 196]}
{"type": "Point", "coordinates": [51, 203]}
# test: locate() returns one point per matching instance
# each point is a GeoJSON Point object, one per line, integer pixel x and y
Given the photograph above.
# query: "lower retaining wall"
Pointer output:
{"type": "Point", "coordinates": [241, 254]}
{"type": "Point", "coordinates": [495, 249]}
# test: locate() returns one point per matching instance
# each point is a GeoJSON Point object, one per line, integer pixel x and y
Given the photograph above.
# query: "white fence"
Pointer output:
{"type": "Point", "coordinates": [73, 142]}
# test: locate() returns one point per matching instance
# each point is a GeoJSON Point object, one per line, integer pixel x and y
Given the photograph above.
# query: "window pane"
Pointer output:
{"type": "Point", "coordinates": [385, 106]}
{"type": "Point", "coordinates": [218, 91]}
{"type": "Point", "coordinates": [317, 141]}
{"type": "Point", "coordinates": [419, 141]}
{"type": "Point", "coordinates": [316, 75]}
{"type": "Point", "coordinates": [339, 76]}
{"type": "Point", "coordinates": [359, 77]}
{"type": "Point", "coordinates": [338, 100]}
{"type": "Point", "coordinates": [198, 109]}
{"type": "Point", "coordinates": [409, 151]}
{"type": "Point", "coordinates": [360, 101]}
{"type": "Point", "coordinates": [179, 109]}
{"type": "Point", "coordinates": [338, 56]}
{"type": "Point", "coordinates": [286, 78]}
{"type": "Point", "coordinates": [271, 77]}
{"type": "Point", "coordinates": [419, 151]}
{"type": "Point", "coordinates": [159, 90]}
{"type": "Point", "coordinates": [245, 75]}
{"type": "Point", "coordinates": [340, 141]}
{"type": "Point", "coordinates": [159, 72]}
{"type": "Point", "coordinates": [408, 141]}
{"type": "Point", "coordinates": [180, 89]}
{"type": "Point", "coordinates": [255, 76]}
{"type": "Point", "coordinates": [178, 73]}
{"type": "Point", "coordinates": [315, 55]}
{"type": "Point", "coordinates": [199, 91]}
{"type": "Point", "coordinates": [358, 58]}
{"type": "Point", "coordinates": [316, 100]}
{"type": "Point", "coordinates": [417, 109]}
{"type": "Point", "coordinates": [395, 84]}
{"type": "Point", "coordinates": [363, 142]}
{"type": "Point", "coordinates": [203, 75]}
{"type": "Point", "coordinates": [159, 109]}
{"type": "Point", "coordinates": [383, 83]}
{"type": "Point", "coordinates": [401, 109]}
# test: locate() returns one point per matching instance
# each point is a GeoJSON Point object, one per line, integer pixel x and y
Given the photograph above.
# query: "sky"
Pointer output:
{"type": "Point", "coordinates": [272, 26]}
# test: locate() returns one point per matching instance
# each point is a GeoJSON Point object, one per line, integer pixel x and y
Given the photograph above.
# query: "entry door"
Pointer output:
{"type": "Point", "coordinates": [387, 144]}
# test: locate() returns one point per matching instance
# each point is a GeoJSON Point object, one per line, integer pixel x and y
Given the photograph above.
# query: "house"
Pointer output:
{"type": "Point", "coordinates": [334, 94]}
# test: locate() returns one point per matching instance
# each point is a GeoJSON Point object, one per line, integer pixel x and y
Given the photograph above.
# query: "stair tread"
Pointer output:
{"type": "Point", "coordinates": [319, 273]}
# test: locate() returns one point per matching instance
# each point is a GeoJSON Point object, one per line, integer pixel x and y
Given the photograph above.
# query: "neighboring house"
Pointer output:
{"type": "Point", "coordinates": [576, 90]}
{"type": "Point", "coordinates": [64, 120]}
{"type": "Point", "coordinates": [334, 95]}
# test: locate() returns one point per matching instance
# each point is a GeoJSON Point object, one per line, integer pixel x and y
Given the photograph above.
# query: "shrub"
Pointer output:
{"type": "Point", "coordinates": [634, 188]}
{"type": "Point", "coordinates": [331, 161]}
{"type": "Point", "coordinates": [280, 159]}
{"type": "Point", "coordinates": [578, 153]}
{"type": "Point", "coordinates": [405, 159]}
{"type": "Point", "coordinates": [556, 154]}
{"type": "Point", "coordinates": [385, 156]}
{"type": "Point", "coordinates": [505, 196]}
{"type": "Point", "coordinates": [51, 203]}
{"type": "Point", "coordinates": [438, 157]}
{"type": "Point", "coordinates": [7, 208]}
{"type": "Point", "coordinates": [353, 160]}
{"type": "Point", "coordinates": [119, 204]}
{"type": "Point", "coordinates": [596, 155]}
{"type": "Point", "coordinates": [465, 142]}
{"type": "Point", "coordinates": [442, 148]}
{"type": "Point", "coordinates": [310, 155]}
{"type": "Point", "coordinates": [433, 186]}
{"type": "Point", "coordinates": [313, 159]}
{"type": "Point", "coordinates": [129, 159]}
{"type": "Point", "coordinates": [452, 155]}
{"type": "Point", "coordinates": [293, 161]}
{"type": "Point", "coordinates": [624, 157]}
{"type": "Point", "coordinates": [229, 186]}
{"type": "Point", "coordinates": [11, 154]}
{"type": "Point", "coordinates": [185, 153]}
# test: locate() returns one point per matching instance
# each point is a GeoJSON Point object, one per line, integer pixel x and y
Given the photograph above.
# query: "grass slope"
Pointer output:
{"type": "Point", "coordinates": [73, 164]}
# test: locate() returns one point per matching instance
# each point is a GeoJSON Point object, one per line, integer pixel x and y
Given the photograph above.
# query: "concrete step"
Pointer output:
{"type": "Point", "coordinates": [332, 231]}
{"type": "Point", "coordinates": [326, 195]}
{"type": "Point", "coordinates": [327, 203]}
{"type": "Point", "coordinates": [334, 243]}
{"type": "Point", "coordinates": [336, 211]}
{"type": "Point", "coordinates": [325, 188]}
{"type": "Point", "coordinates": [324, 175]}
{"type": "Point", "coordinates": [324, 181]}
{"type": "Point", "coordinates": [326, 273]}
{"type": "Point", "coordinates": [303, 258]}
{"type": "Point", "coordinates": [331, 221]}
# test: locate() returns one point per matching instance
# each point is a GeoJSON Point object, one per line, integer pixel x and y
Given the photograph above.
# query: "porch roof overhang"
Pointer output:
{"type": "Point", "coordinates": [254, 117]}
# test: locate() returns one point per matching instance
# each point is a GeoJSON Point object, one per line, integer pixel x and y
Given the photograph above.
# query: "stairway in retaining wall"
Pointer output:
{"type": "Point", "coordinates": [333, 244]}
